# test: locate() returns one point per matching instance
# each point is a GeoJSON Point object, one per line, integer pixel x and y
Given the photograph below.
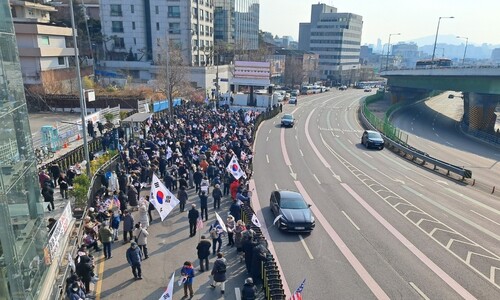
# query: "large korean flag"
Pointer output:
{"type": "Point", "coordinates": [234, 168]}
{"type": "Point", "coordinates": [167, 295]}
{"type": "Point", "coordinates": [163, 200]}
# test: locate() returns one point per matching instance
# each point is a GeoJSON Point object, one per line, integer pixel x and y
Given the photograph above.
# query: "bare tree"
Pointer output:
{"type": "Point", "coordinates": [172, 73]}
{"type": "Point", "coordinates": [294, 72]}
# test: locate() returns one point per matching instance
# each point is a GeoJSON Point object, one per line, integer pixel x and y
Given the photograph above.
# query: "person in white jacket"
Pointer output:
{"type": "Point", "coordinates": [141, 237]}
{"type": "Point", "coordinates": [113, 182]}
{"type": "Point", "coordinates": [143, 214]}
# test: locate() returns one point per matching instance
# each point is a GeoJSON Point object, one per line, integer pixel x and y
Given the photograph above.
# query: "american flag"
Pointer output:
{"type": "Point", "coordinates": [298, 292]}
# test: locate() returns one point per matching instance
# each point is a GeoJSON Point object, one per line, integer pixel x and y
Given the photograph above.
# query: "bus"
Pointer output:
{"type": "Point", "coordinates": [436, 63]}
{"type": "Point", "coordinates": [311, 89]}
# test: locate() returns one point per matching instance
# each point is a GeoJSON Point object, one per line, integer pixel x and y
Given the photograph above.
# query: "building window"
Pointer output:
{"type": "Point", "coordinates": [174, 11]}
{"type": "Point", "coordinates": [116, 10]}
{"type": "Point", "coordinates": [158, 42]}
{"type": "Point", "coordinates": [133, 25]}
{"type": "Point", "coordinates": [135, 41]}
{"type": "Point", "coordinates": [116, 26]}
{"type": "Point", "coordinates": [207, 30]}
{"type": "Point", "coordinates": [157, 26]}
{"type": "Point", "coordinates": [174, 28]}
{"type": "Point", "coordinates": [132, 9]}
{"type": "Point", "coordinates": [157, 9]}
{"type": "Point", "coordinates": [119, 42]}
{"type": "Point", "coordinates": [45, 40]}
{"type": "Point", "coordinates": [195, 12]}
{"type": "Point", "coordinates": [31, 12]}
{"type": "Point", "coordinates": [61, 61]}
{"type": "Point", "coordinates": [201, 14]}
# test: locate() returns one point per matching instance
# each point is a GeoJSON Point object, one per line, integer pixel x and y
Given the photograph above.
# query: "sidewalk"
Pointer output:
{"type": "Point", "coordinates": [169, 246]}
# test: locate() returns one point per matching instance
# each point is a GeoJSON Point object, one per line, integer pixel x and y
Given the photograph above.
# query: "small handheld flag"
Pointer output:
{"type": "Point", "coordinates": [221, 222]}
{"type": "Point", "coordinates": [255, 220]}
{"type": "Point", "coordinates": [297, 295]}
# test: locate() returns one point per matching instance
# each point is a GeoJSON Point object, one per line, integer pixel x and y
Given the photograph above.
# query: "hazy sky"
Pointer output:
{"type": "Point", "coordinates": [478, 20]}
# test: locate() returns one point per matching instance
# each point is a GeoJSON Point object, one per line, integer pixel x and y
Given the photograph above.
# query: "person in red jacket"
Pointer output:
{"type": "Point", "coordinates": [233, 188]}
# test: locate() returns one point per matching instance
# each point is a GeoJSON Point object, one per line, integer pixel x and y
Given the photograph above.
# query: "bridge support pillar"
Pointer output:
{"type": "Point", "coordinates": [479, 111]}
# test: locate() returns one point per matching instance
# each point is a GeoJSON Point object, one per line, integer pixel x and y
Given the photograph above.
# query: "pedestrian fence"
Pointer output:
{"type": "Point", "coordinates": [75, 156]}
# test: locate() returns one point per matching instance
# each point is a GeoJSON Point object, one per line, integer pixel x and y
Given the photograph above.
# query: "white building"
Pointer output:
{"type": "Point", "coordinates": [45, 51]}
{"type": "Point", "coordinates": [336, 37]}
{"type": "Point", "coordinates": [137, 33]}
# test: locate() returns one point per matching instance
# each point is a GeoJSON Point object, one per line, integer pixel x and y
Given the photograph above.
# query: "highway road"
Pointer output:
{"type": "Point", "coordinates": [385, 228]}
{"type": "Point", "coordinates": [436, 123]}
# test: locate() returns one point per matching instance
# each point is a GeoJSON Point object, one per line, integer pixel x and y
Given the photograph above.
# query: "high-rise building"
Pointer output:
{"type": "Point", "coordinates": [22, 230]}
{"type": "Point", "coordinates": [237, 23]}
{"type": "Point", "coordinates": [336, 37]}
{"type": "Point", "coordinates": [137, 33]}
{"type": "Point", "coordinates": [408, 54]}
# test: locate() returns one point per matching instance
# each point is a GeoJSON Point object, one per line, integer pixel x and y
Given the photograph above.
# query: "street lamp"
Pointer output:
{"type": "Point", "coordinates": [389, 49]}
{"type": "Point", "coordinates": [435, 40]}
{"type": "Point", "coordinates": [465, 50]}
{"type": "Point", "coordinates": [83, 110]}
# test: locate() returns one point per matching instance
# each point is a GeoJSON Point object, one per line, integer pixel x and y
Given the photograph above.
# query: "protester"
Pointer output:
{"type": "Point", "coordinates": [219, 272]}
{"type": "Point", "coordinates": [134, 259]}
{"type": "Point", "coordinates": [203, 253]}
{"type": "Point", "coordinates": [106, 237]}
{"type": "Point", "coordinates": [115, 224]}
{"type": "Point", "coordinates": [238, 238]}
{"type": "Point", "coordinates": [143, 214]}
{"type": "Point", "coordinates": [141, 238]}
{"type": "Point", "coordinates": [48, 196]}
{"type": "Point", "coordinates": [187, 272]}
{"type": "Point", "coordinates": [204, 204]}
{"type": "Point", "coordinates": [249, 291]}
{"type": "Point", "coordinates": [183, 197]}
{"type": "Point", "coordinates": [63, 186]}
{"type": "Point", "coordinates": [217, 195]}
{"type": "Point", "coordinates": [193, 216]}
{"type": "Point", "coordinates": [128, 225]}
{"type": "Point", "coordinates": [230, 225]}
{"type": "Point", "coordinates": [216, 232]}
{"type": "Point", "coordinates": [76, 292]}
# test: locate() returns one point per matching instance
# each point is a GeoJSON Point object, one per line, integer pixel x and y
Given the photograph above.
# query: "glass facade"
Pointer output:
{"type": "Point", "coordinates": [22, 231]}
{"type": "Point", "coordinates": [237, 22]}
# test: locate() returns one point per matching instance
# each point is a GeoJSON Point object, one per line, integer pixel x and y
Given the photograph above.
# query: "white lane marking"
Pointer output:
{"type": "Point", "coordinates": [296, 137]}
{"type": "Point", "coordinates": [269, 130]}
{"type": "Point", "coordinates": [414, 181]}
{"type": "Point", "coordinates": [485, 217]}
{"type": "Point", "coordinates": [267, 139]}
{"type": "Point", "coordinates": [267, 158]}
{"type": "Point", "coordinates": [305, 246]}
{"type": "Point", "coordinates": [367, 155]}
{"type": "Point", "coordinates": [442, 182]}
{"type": "Point", "coordinates": [301, 154]}
{"type": "Point", "coordinates": [475, 202]}
{"type": "Point", "coordinates": [237, 293]}
{"type": "Point", "coordinates": [350, 220]}
{"type": "Point", "coordinates": [349, 141]}
{"type": "Point", "coordinates": [419, 291]}
{"type": "Point", "coordinates": [276, 186]}
{"type": "Point", "coordinates": [315, 177]}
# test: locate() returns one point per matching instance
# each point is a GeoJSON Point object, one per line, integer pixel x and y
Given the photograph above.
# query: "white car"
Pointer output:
{"type": "Point", "coordinates": [293, 100]}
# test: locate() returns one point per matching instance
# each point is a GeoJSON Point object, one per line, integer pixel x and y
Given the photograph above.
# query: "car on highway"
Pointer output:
{"type": "Point", "coordinates": [372, 139]}
{"type": "Point", "coordinates": [295, 214]}
{"type": "Point", "coordinates": [287, 120]}
{"type": "Point", "coordinates": [293, 100]}
{"type": "Point", "coordinates": [368, 89]}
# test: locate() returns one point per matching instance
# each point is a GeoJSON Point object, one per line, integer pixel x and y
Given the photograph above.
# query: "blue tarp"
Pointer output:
{"type": "Point", "coordinates": [163, 104]}
{"type": "Point", "coordinates": [108, 74]}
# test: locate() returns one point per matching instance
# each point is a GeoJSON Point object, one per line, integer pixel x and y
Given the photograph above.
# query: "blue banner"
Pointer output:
{"type": "Point", "coordinates": [163, 104]}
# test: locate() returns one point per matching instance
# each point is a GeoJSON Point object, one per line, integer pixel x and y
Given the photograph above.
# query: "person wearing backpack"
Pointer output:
{"type": "Point", "coordinates": [216, 235]}
{"type": "Point", "coordinates": [219, 272]}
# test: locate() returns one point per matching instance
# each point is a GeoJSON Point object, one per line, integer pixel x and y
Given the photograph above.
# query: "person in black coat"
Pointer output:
{"type": "Point", "coordinates": [55, 171]}
{"type": "Point", "coordinates": [204, 205]}
{"type": "Point", "coordinates": [193, 216]}
{"type": "Point", "coordinates": [203, 252]}
{"type": "Point", "coordinates": [122, 181]}
{"type": "Point", "coordinates": [123, 198]}
{"type": "Point", "coordinates": [151, 207]}
{"type": "Point", "coordinates": [197, 177]}
{"type": "Point", "coordinates": [48, 195]}
{"type": "Point", "coordinates": [249, 291]}
{"type": "Point", "coordinates": [182, 195]}
{"type": "Point", "coordinates": [217, 195]}
{"type": "Point", "coordinates": [258, 256]}
{"type": "Point", "coordinates": [132, 196]}
{"type": "Point", "coordinates": [169, 181]}
{"type": "Point", "coordinates": [235, 210]}
{"type": "Point", "coordinates": [84, 271]}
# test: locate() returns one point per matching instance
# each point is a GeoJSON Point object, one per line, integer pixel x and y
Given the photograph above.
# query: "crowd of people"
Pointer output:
{"type": "Point", "coordinates": [189, 153]}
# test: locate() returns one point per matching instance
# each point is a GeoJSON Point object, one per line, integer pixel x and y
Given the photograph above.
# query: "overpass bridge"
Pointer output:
{"type": "Point", "coordinates": [480, 87]}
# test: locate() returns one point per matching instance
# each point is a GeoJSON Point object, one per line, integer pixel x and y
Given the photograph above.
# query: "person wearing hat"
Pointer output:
{"type": "Point", "coordinates": [134, 259]}
{"type": "Point", "coordinates": [75, 292]}
{"type": "Point", "coordinates": [249, 291]}
{"type": "Point", "coordinates": [230, 225]}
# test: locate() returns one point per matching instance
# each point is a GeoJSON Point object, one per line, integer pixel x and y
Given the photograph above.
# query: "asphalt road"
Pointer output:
{"type": "Point", "coordinates": [385, 228]}
{"type": "Point", "coordinates": [432, 127]}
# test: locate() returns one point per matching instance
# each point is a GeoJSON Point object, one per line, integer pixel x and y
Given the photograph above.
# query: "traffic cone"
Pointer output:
{"type": "Point", "coordinates": [78, 137]}
{"type": "Point", "coordinates": [65, 145]}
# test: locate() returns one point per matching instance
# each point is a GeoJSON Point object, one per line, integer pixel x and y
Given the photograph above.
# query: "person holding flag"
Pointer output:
{"type": "Point", "coordinates": [187, 275]}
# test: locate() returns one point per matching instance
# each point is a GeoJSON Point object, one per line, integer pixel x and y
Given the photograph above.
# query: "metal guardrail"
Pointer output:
{"type": "Point", "coordinates": [392, 139]}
